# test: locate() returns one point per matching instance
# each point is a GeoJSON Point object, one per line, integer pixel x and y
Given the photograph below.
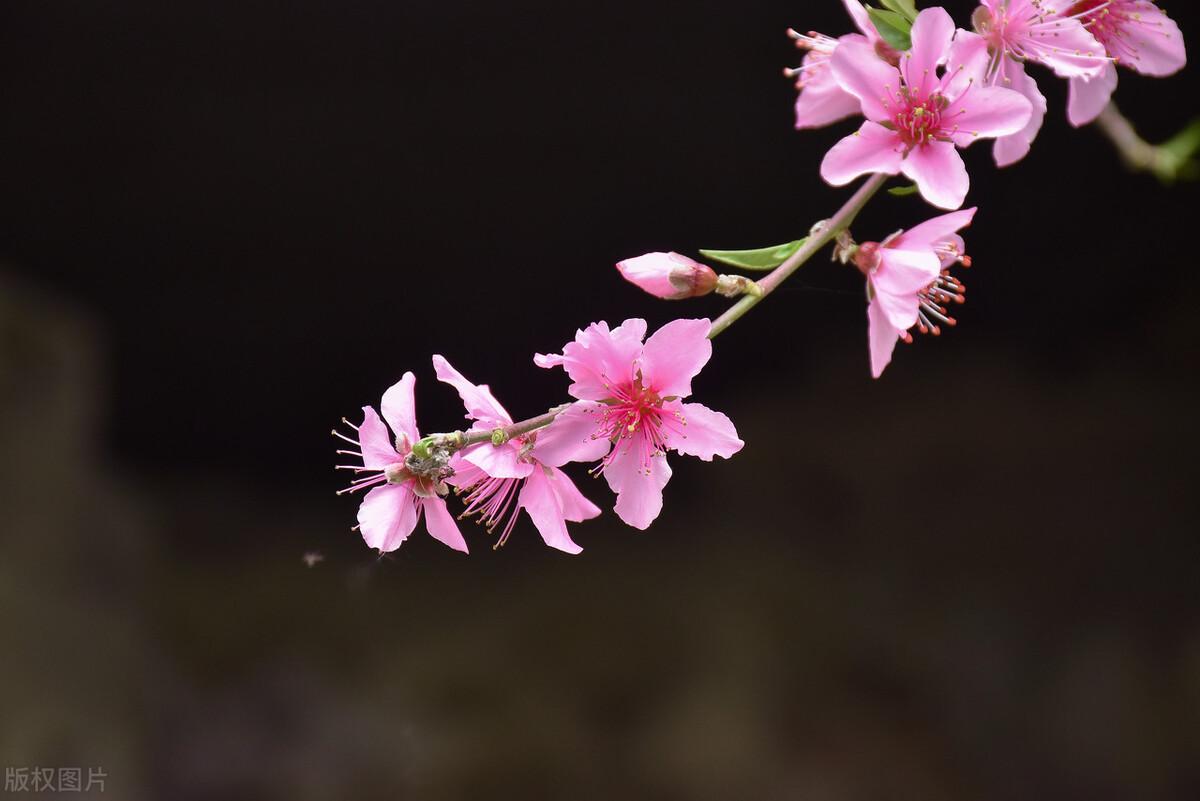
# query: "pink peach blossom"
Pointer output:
{"type": "Point", "coordinates": [908, 282]}
{"type": "Point", "coordinates": [389, 512]}
{"type": "Point", "coordinates": [630, 395]}
{"type": "Point", "coordinates": [1017, 31]}
{"type": "Point", "coordinates": [670, 276]}
{"type": "Point", "coordinates": [916, 118]}
{"type": "Point", "coordinates": [1136, 33]}
{"type": "Point", "coordinates": [523, 473]}
{"type": "Point", "coordinates": [821, 100]}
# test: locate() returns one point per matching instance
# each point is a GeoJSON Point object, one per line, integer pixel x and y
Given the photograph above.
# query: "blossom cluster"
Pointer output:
{"type": "Point", "coordinates": [924, 89]}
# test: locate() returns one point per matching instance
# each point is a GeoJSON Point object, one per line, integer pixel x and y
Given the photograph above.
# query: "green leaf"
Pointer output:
{"type": "Point", "coordinates": [758, 259]}
{"type": "Point", "coordinates": [905, 8]}
{"type": "Point", "coordinates": [903, 191]}
{"type": "Point", "coordinates": [893, 27]}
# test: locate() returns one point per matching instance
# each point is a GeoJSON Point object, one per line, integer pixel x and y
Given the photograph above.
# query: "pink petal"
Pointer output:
{"type": "Point", "coordinates": [862, 20]}
{"type": "Point", "coordinates": [930, 233]}
{"type": "Point", "coordinates": [1010, 149]}
{"type": "Point", "coordinates": [932, 33]}
{"type": "Point", "coordinates": [465, 474]}
{"type": "Point", "coordinates": [823, 101]}
{"type": "Point", "coordinates": [706, 433]}
{"type": "Point", "coordinates": [386, 517]}
{"type": "Point", "coordinates": [904, 272]}
{"type": "Point", "coordinates": [542, 505]}
{"type": "Point", "coordinates": [399, 407]}
{"type": "Point", "coordinates": [477, 399]}
{"type": "Point", "coordinates": [967, 63]}
{"type": "Point", "coordinates": [881, 336]}
{"type": "Point", "coordinates": [1157, 43]}
{"type": "Point", "coordinates": [1063, 45]}
{"type": "Point", "coordinates": [865, 75]}
{"type": "Point", "coordinates": [639, 491]}
{"type": "Point", "coordinates": [570, 437]}
{"type": "Point", "coordinates": [375, 442]}
{"type": "Point", "coordinates": [872, 148]}
{"type": "Point", "coordinates": [987, 112]}
{"type": "Point", "coordinates": [498, 461]}
{"type": "Point", "coordinates": [939, 173]}
{"type": "Point", "coordinates": [441, 525]}
{"type": "Point", "coordinates": [599, 358]}
{"type": "Point", "coordinates": [1086, 99]}
{"type": "Point", "coordinates": [674, 355]}
{"type": "Point", "coordinates": [575, 506]}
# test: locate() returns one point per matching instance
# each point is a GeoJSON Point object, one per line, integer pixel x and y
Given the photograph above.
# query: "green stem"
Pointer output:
{"type": "Point", "coordinates": [839, 222]}
{"type": "Point", "coordinates": [1170, 161]}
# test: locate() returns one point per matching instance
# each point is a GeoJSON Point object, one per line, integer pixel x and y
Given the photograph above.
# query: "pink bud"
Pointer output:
{"type": "Point", "coordinates": [669, 276]}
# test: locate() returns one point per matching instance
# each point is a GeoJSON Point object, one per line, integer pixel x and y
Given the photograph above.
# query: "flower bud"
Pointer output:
{"type": "Point", "coordinates": [669, 276]}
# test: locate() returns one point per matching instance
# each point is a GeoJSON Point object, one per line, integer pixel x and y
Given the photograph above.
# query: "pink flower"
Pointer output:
{"type": "Point", "coordinates": [822, 100]}
{"type": "Point", "coordinates": [523, 473]}
{"type": "Point", "coordinates": [630, 396]}
{"type": "Point", "coordinates": [917, 119]}
{"type": "Point", "coordinates": [1027, 30]}
{"type": "Point", "coordinates": [389, 513]}
{"type": "Point", "coordinates": [669, 276]}
{"type": "Point", "coordinates": [1135, 33]}
{"type": "Point", "coordinates": [908, 282]}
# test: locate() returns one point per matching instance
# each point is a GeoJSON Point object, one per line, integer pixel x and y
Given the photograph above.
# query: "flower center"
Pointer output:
{"type": "Point", "coordinates": [919, 121]}
{"type": "Point", "coordinates": [634, 420]}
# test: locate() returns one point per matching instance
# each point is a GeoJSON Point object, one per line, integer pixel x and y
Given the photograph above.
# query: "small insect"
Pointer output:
{"type": "Point", "coordinates": [312, 558]}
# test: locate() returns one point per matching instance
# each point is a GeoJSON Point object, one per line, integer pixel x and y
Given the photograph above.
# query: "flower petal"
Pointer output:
{"type": "Point", "coordinates": [399, 407]}
{"type": "Point", "coordinates": [872, 148]}
{"type": "Point", "coordinates": [477, 399]}
{"type": "Point", "coordinates": [1008, 150]}
{"type": "Point", "coordinates": [904, 272]}
{"type": "Point", "coordinates": [441, 525]}
{"type": "Point", "coordinates": [386, 516]}
{"type": "Point", "coordinates": [932, 33]}
{"type": "Point", "coordinates": [674, 355]}
{"type": "Point", "coordinates": [966, 64]}
{"type": "Point", "coordinates": [930, 233]}
{"type": "Point", "coordinates": [375, 442]}
{"type": "Point", "coordinates": [705, 435]}
{"type": "Point", "coordinates": [599, 358]}
{"type": "Point", "coordinates": [862, 73]}
{"type": "Point", "coordinates": [575, 506]}
{"type": "Point", "coordinates": [498, 461]}
{"type": "Point", "coordinates": [639, 489]}
{"type": "Point", "coordinates": [1086, 99]}
{"type": "Point", "coordinates": [570, 438]}
{"type": "Point", "coordinates": [881, 337]}
{"type": "Point", "coordinates": [985, 112]}
{"type": "Point", "coordinates": [862, 20]}
{"type": "Point", "coordinates": [1158, 48]}
{"type": "Point", "coordinates": [823, 101]}
{"type": "Point", "coordinates": [939, 173]}
{"type": "Point", "coordinates": [542, 505]}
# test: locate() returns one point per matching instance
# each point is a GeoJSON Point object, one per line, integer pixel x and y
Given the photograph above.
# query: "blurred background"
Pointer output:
{"type": "Point", "coordinates": [223, 226]}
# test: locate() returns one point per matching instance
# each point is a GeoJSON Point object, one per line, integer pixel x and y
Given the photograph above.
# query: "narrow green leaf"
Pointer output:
{"type": "Point", "coordinates": [903, 191]}
{"type": "Point", "coordinates": [758, 259]}
{"type": "Point", "coordinates": [893, 27]}
{"type": "Point", "coordinates": [905, 8]}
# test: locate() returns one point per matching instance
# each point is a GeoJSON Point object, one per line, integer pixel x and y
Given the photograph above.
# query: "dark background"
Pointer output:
{"type": "Point", "coordinates": [225, 225]}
